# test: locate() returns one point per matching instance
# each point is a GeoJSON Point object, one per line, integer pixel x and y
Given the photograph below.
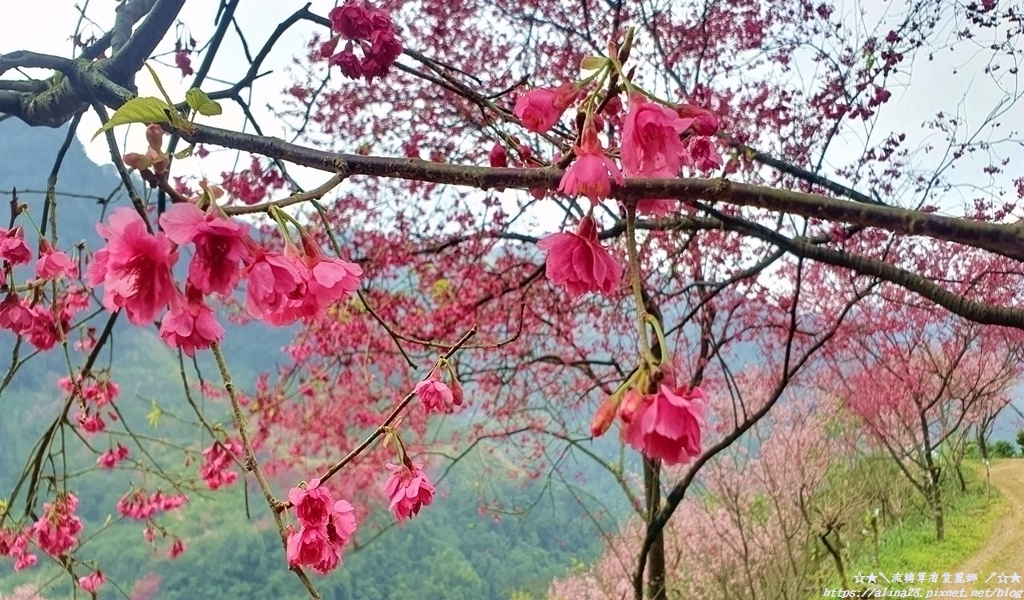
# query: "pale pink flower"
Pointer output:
{"type": "Point", "coordinates": [91, 583]}
{"type": "Point", "coordinates": [312, 505]}
{"type": "Point", "coordinates": [219, 241]}
{"type": "Point", "coordinates": [667, 424]}
{"type": "Point", "coordinates": [540, 109]}
{"type": "Point", "coordinates": [13, 248]}
{"type": "Point", "coordinates": [134, 268]}
{"type": "Point", "coordinates": [409, 490]}
{"type": "Point", "coordinates": [592, 172]}
{"type": "Point", "coordinates": [110, 458]}
{"type": "Point", "coordinates": [434, 394]}
{"type": "Point", "coordinates": [190, 324]}
{"type": "Point", "coordinates": [651, 146]}
{"type": "Point", "coordinates": [577, 261]}
{"type": "Point", "coordinates": [341, 524]}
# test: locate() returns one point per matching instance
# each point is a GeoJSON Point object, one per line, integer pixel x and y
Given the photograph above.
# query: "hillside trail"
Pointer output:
{"type": "Point", "coordinates": [1003, 552]}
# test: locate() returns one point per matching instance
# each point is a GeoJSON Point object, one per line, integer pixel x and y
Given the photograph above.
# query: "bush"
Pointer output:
{"type": "Point", "coordinates": [1003, 449]}
{"type": "Point", "coordinates": [1020, 440]}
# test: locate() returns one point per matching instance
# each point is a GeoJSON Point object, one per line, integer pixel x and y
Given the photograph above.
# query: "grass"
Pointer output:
{"type": "Point", "coordinates": [970, 519]}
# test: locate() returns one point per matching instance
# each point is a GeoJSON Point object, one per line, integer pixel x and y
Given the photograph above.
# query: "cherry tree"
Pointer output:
{"type": "Point", "coordinates": [539, 214]}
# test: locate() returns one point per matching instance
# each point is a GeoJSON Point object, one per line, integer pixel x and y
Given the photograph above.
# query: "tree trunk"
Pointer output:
{"type": "Point", "coordinates": [656, 557]}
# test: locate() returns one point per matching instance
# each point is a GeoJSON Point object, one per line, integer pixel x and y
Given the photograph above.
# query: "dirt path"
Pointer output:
{"type": "Point", "coordinates": [1004, 550]}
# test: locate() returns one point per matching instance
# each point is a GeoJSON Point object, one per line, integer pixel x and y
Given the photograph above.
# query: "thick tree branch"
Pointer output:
{"type": "Point", "coordinates": [1006, 240]}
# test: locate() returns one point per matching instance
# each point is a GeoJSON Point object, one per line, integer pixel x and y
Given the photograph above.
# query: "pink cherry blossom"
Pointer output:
{"type": "Point", "coordinates": [312, 505]}
{"type": "Point", "coordinates": [178, 548]}
{"type": "Point", "coordinates": [55, 532]}
{"type": "Point", "coordinates": [15, 314]}
{"type": "Point", "coordinates": [16, 545]}
{"type": "Point", "coordinates": [651, 146]}
{"type": "Point", "coordinates": [434, 394]}
{"type": "Point", "coordinates": [273, 280]}
{"type": "Point", "coordinates": [91, 423]}
{"type": "Point", "coordinates": [91, 583]}
{"type": "Point", "coordinates": [312, 547]}
{"type": "Point", "coordinates": [540, 109]}
{"type": "Point", "coordinates": [341, 524]}
{"type": "Point", "coordinates": [409, 490]}
{"type": "Point", "coordinates": [592, 172]}
{"type": "Point", "coordinates": [351, 20]}
{"type": "Point", "coordinates": [53, 264]}
{"type": "Point", "coordinates": [497, 156]}
{"type": "Point", "coordinates": [667, 425]}
{"type": "Point", "coordinates": [134, 267]}
{"type": "Point", "coordinates": [190, 324]}
{"type": "Point", "coordinates": [704, 122]}
{"type": "Point", "coordinates": [137, 504]}
{"type": "Point", "coordinates": [110, 458]}
{"type": "Point", "coordinates": [578, 262]}
{"type": "Point", "coordinates": [702, 155]}
{"type": "Point", "coordinates": [217, 462]}
{"type": "Point", "coordinates": [219, 241]}
{"type": "Point", "coordinates": [13, 248]}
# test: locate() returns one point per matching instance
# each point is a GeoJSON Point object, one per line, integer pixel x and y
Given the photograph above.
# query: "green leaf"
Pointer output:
{"type": "Point", "coordinates": [187, 152]}
{"type": "Point", "coordinates": [154, 415]}
{"type": "Point", "coordinates": [201, 103]}
{"type": "Point", "coordinates": [593, 63]}
{"type": "Point", "coordinates": [137, 110]}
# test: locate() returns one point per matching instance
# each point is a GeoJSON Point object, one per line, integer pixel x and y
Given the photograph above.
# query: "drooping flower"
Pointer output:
{"type": "Point", "coordinates": [578, 262]}
{"type": "Point", "coordinates": [704, 122]}
{"type": "Point", "coordinates": [702, 155]}
{"type": "Point", "coordinates": [540, 108]}
{"type": "Point", "coordinates": [137, 505]}
{"type": "Point", "coordinates": [110, 458]}
{"type": "Point", "coordinates": [13, 248]}
{"type": "Point", "coordinates": [56, 531]}
{"type": "Point", "coordinates": [134, 267]}
{"type": "Point", "coordinates": [178, 548]}
{"type": "Point", "coordinates": [272, 281]}
{"type": "Point", "coordinates": [190, 324]}
{"type": "Point", "coordinates": [667, 424]}
{"type": "Point", "coordinates": [592, 172]}
{"type": "Point", "coordinates": [217, 461]}
{"type": "Point", "coordinates": [92, 582]}
{"type": "Point", "coordinates": [15, 314]}
{"type": "Point", "coordinates": [434, 394]}
{"type": "Point", "coordinates": [15, 544]}
{"type": "Point", "coordinates": [372, 31]}
{"type": "Point", "coordinates": [328, 280]}
{"type": "Point", "coordinates": [341, 524]}
{"type": "Point", "coordinates": [409, 490]}
{"type": "Point", "coordinates": [312, 504]}
{"type": "Point", "coordinates": [219, 241]}
{"type": "Point", "coordinates": [311, 547]}
{"type": "Point", "coordinates": [91, 423]}
{"type": "Point", "coordinates": [497, 156]}
{"type": "Point", "coordinates": [53, 264]}
{"type": "Point", "coordinates": [651, 146]}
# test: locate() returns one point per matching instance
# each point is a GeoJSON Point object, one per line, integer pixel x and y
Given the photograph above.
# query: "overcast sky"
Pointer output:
{"type": "Point", "coordinates": [969, 92]}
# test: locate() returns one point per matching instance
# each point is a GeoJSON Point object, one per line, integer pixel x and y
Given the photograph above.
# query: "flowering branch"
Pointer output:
{"type": "Point", "coordinates": [385, 425]}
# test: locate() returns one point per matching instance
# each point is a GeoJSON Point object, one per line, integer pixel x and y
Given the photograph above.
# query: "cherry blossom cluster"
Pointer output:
{"type": "Point", "coordinates": [135, 270]}
{"type": "Point", "coordinates": [325, 527]}
{"type": "Point", "coordinates": [93, 393]}
{"type": "Point", "coordinates": [369, 29]}
{"type": "Point", "coordinates": [665, 423]}
{"type": "Point", "coordinates": [24, 309]}
{"type": "Point", "coordinates": [54, 533]}
{"type": "Point", "coordinates": [217, 462]}
{"type": "Point", "coordinates": [139, 505]}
